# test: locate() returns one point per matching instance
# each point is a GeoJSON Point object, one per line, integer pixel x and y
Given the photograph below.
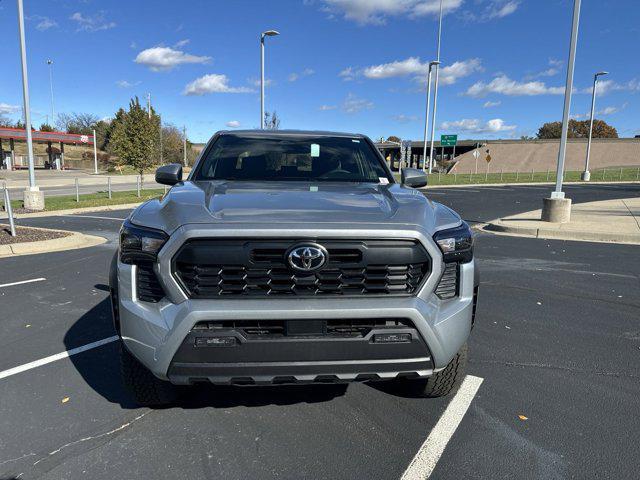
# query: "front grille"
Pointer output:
{"type": "Point", "coordinates": [148, 287]}
{"type": "Point", "coordinates": [216, 268]}
{"type": "Point", "coordinates": [279, 328]}
{"type": "Point", "coordinates": [448, 285]}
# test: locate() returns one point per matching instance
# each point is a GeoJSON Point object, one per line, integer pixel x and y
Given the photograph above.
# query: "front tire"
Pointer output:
{"type": "Point", "coordinates": [440, 383]}
{"type": "Point", "coordinates": [147, 390]}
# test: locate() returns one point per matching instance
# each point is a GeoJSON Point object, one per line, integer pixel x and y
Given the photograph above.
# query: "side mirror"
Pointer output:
{"type": "Point", "coordinates": [169, 174]}
{"type": "Point", "coordinates": [413, 177]}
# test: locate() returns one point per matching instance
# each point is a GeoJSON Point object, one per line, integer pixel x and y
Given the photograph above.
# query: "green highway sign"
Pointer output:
{"type": "Point", "coordinates": [448, 140]}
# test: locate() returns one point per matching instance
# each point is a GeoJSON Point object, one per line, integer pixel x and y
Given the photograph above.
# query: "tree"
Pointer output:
{"type": "Point", "coordinates": [271, 121]}
{"type": "Point", "coordinates": [6, 122]}
{"type": "Point", "coordinates": [80, 123]}
{"type": "Point", "coordinates": [578, 129]}
{"type": "Point", "coordinates": [132, 137]}
{"type": "Point", "coordinates": [172, 144]}
{"type": "Point", "coordinates": [393, 138]}
{"type": "Point", "coordinates": [45, 127]}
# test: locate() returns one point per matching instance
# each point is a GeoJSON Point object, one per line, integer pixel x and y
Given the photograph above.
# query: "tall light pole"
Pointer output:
{"type": "Point", "coordinates": [586, 175]}
{"type": "Point", "coordinates": [426, 116]}
{"type": "Point", "coordinates": [557, 208]}
{"type": "Point", "coordinates": [268, 33]}
{"type": "Point", "coordinates": [33, 197]}
{"type": "Point", "coordinates": [184, 145]}
{"type": "Point", "coordinates": [435, 91]}
{"type": "Point", "coordinates": [53, 110]}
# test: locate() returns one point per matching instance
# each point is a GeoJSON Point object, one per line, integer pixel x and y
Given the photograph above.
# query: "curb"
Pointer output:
{"type": "Point", "coordinates": [70, 242]}
{"type": "Point", "coordinates": [554, 234]}
{"type": "Point", "coordinates": [71, 211]}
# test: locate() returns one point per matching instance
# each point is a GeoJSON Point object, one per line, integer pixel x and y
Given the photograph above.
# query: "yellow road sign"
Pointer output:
{"type": "Point", "coordinates": [488, 159]}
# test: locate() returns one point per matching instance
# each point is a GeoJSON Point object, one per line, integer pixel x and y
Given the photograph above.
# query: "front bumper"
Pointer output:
{"type": "Point", "coordinates": [155, 332]}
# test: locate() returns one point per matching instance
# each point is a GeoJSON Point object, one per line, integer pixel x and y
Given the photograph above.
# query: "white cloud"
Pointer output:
{"type": "Point", "coordinates": [486, 10]}
{"type": "Point", "coordinates": [610, 110]}
{"type": "Point", "coordinates": [402, 118]}
{"type": "Point", "coordinates": [255, 82]}
{"type": "Point", "coordinates": [413, 66]}
{"type": "Point", "coordinates": [92, 23]}
{"type": "Point", "coordinates": [607, 86]}
{"type": "Point", "coordinates": [296, 76]}
{"type": "Point", "coordinates": [553, 69]}
{"type": "Point", "coordinates": [182, 43]}
{"type": "Point", "coordinates": [376, 12]}
{"type": "Point", "coordinates": [505, 86]}
{"type": "Point", "coordinates": [354, 104]}
{"type": "Point", "coordinates": [126, 84]}
{"type": "Point", "coordinates": [347, 74]}
{"type": "Point", "coordinates": [166, 58]}
{"type": "Point", "coordinates": [44, 23]}
{"type": "Point", "coordinates": [212, 83]}
{"type": "Point", "coordinates": [324, 108]}
{"type": "Point", "coordinates": [489, 104]}
{"type": "Point", "coordinates": [6, 109]}
{"type": "Point", "coordinates": [473, 125]}
{"type": "Point", "coordinates": [233, 124]}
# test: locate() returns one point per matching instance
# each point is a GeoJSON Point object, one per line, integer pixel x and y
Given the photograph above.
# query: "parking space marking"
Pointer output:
{"type": "Point", "coordinates": [425, 460]}
{"type": "Point", "coordinates": [41, 279]}
{"type": "Point", "coordinates": [56, 357]}
{"type": "Point", "coordinates": [95, 216]}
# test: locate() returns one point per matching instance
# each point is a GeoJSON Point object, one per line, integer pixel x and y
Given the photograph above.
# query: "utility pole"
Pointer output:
{"type": "Point", "coordinates": [161, 156]}
{"type": "Point", "coordinates": [426, 117]}
{"type": "Point", "coordinates": [149, 105]}
{"type": "Point", "coordinates": [268, 33]}
{"type": "Point", "coordinates": [586, 175]}
{"type": "Point", "coordinates": [435, 92]}
{"type": "Point", "coordinates": [557, 208]}
{"type": "Point", "coordinates": [33, 197]}
{"type": "Point", "coordinates": [53, 110]}
{"type": "Point", "coordinates": [95, 153]}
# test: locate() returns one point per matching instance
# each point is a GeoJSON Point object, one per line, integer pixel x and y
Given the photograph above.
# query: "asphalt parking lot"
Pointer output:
{"type": "Point", "coordinates": [556, 344]}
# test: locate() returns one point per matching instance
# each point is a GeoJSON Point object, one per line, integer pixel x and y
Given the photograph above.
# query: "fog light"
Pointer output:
{"type": "Point", "coordinates": [392, 338]}
{"type": "Point", "coordinates": [216, 341]}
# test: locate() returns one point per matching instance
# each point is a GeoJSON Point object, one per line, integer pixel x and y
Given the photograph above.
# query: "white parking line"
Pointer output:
{"type": "Point", "coordinates": [425, 461]}
{"type": "Point", "coordinates": [41, 279]}
{"type": "Point", "coordinates": [57, 356]}
{"type": "Point", "coordinates": [96, 216]}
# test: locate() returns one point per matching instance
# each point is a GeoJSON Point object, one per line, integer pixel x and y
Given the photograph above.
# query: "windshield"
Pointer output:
{"type": "Point", "coordinates": [317, 159]}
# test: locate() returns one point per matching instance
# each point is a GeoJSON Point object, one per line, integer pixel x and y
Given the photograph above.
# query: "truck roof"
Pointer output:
{"type": "Point", "coordinates": [288, 133]}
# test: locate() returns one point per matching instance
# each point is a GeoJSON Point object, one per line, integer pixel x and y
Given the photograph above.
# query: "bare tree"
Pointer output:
{"type": "Point", "coordinates": [271, 121]}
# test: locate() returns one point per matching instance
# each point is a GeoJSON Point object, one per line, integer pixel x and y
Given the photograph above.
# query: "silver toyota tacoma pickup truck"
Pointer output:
{"type": "Point", "coordinates": [292, 257]}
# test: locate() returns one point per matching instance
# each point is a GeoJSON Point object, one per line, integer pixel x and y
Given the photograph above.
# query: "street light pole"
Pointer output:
{"type": "Point", "coordinates": [33, 197]}
{"type": "Point", "coordinates": [586, 175]}
{"type": "Point", "coordinates": [426, 117]}
{"type": "Point", "coordinates": [268, 33]}
{"type": "Point", "coordinates": [557, 209]}
{"type": "Point", "coordinates": [53, 110]}
{"type": "Point", "coordinates": [435, 91]}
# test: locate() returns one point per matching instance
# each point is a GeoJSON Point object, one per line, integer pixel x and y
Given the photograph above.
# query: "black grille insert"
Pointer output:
{"type": "Point", "coordinates": [147, 285]}
{"type": "Point", "coordinates": [448, 284]}
{"type": "Point", "coordinates": [278, 328]}
{"type": "Point", "coordinates": [209, 268]}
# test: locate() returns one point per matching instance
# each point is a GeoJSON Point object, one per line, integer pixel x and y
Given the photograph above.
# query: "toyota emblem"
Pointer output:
{"type": "Point", "coordinates": [307, 258]}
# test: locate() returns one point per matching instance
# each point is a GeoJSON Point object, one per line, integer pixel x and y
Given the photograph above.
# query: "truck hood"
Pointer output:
{"type": "Point", "coordinates": [297, 203]}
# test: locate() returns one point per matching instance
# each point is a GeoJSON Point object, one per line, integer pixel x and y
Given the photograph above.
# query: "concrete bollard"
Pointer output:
{"type": "Point", "coordinates": [109, 187]}
{"type": "Point", "coordinates": [556, 210]}
{"type": "Point", "coordinates": [138, 185]}
{"type": "Point", "coordinates": [77, 191]}
{"type": "Point", "coordinates": [9, 210]}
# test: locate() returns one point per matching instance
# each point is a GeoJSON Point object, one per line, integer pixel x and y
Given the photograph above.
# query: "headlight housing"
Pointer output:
{"type": "Point", "coordinates": [140, 244]}
{"type": "Point", "coordinates": [456, 243]}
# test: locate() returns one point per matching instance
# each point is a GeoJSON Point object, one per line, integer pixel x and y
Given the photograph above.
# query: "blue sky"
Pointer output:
{"type": "Point", "coordinates": [348, 65]}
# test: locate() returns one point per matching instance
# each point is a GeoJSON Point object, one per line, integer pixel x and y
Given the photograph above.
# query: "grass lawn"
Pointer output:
{"type": "Point", "coordinates": [609, 175]}
{"type": "Point", "coordinates": [95, 199]}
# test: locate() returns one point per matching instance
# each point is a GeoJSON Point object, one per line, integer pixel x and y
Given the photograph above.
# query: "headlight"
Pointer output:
{"type": "Point", "coordinates": [140, 244]}
{"type": "Point", "coordinates": [456, 243]}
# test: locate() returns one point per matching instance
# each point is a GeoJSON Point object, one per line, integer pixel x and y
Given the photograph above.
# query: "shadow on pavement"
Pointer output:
{"type": "Point", "coordinates": [100, 368]}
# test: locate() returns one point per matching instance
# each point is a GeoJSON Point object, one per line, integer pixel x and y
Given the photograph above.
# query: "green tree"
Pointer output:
{"type": "Point", "coordinates": [578, 129]}
{"type": "Point", "coordinates": [133, 135]}
{"type": "Point", "coordinates": [45, 127]}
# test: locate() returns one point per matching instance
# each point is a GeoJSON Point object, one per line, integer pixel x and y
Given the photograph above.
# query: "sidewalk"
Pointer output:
{"type": "Point", "coordinates": [20, 180]}
{"type": "Point", "coordinates": [616, 221]}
